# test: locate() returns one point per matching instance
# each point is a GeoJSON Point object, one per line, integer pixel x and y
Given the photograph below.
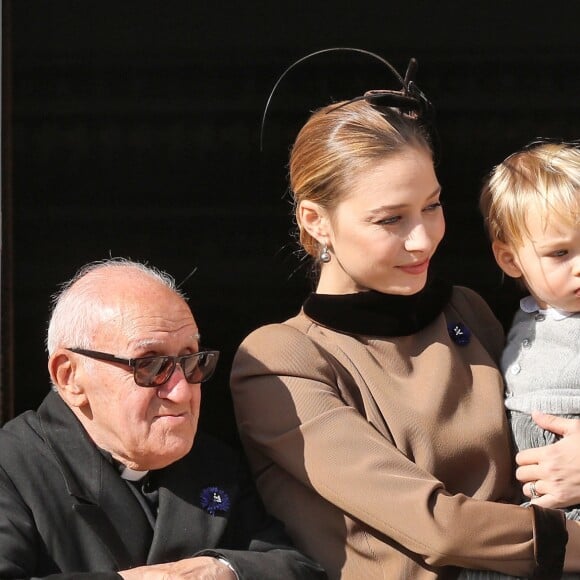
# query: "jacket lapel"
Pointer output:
{"type": "Point", "coordinates": [183, 527]}
{"type": "Point", "coordinates": [102, 499]}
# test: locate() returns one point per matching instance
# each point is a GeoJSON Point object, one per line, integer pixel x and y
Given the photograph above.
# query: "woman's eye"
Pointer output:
{"type": "Point", "coordinates": [389, 221]}
{"type": "Point", "coordinates": [434, 206]}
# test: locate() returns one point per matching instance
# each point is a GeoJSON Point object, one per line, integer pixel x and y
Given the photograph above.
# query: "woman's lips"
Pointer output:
{"type": "Point", "coordinates": [415, 269]}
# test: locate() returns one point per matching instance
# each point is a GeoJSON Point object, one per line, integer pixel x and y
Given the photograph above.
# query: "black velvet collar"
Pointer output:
{"type": "Point", "coordinates": [375, 314]}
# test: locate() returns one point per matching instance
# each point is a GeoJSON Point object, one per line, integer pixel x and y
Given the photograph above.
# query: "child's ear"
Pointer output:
{"type": "Point", "coordinates": [506, 259]}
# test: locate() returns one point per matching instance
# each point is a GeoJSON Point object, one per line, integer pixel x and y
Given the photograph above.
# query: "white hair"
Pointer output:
{"type": "Point", "coordinates": [76, 307]}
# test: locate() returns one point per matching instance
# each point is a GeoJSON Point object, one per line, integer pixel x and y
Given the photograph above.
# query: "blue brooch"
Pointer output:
{"type": "Point", "coordinates": [459, 333]}
{"type": "Point", "coordinates": [214, 499]}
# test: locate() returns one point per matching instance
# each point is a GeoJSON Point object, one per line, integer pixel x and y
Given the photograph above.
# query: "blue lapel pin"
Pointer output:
{"type": "Point", "coordinates": [459, 333]}
{"type": "Point", "coordinates": [214, 499]}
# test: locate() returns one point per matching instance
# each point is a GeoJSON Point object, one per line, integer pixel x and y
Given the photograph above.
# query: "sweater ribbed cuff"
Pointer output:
{"type": "Point", "coordinates": [550, 537]}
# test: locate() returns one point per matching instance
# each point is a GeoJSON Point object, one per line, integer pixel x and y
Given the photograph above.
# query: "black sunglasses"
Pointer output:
{"type": "Point", "coordinates": [154, 371]}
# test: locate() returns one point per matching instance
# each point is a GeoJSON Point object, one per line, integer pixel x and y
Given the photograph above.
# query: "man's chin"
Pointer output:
{"type": "Point", "coordinates": [171, 447]}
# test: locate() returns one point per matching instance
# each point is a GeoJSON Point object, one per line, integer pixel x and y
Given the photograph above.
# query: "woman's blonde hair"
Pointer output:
{"type": "Point", "coordinates": [339, 142]}
{"type": "Point", "coordinates": [543, 177]}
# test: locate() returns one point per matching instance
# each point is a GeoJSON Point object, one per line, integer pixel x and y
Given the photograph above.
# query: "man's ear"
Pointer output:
{"type": "Point", "coordinates": [64, 373]}
{"type": "Point", "coordinates": [506, 259]}
{"type": "Point", "coordinates": [314, 219]}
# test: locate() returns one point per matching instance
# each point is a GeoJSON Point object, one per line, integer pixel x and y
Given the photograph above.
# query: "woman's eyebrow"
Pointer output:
{"type": "Point", "coordinates": [398, 206]}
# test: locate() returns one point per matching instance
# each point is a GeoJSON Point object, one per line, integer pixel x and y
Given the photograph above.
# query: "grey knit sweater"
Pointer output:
{"type": "Point", "coordinates": [541, 361]}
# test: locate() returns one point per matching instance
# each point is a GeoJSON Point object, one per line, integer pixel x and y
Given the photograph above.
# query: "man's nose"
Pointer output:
{"type": "Point", "coordinates": [177, 388]}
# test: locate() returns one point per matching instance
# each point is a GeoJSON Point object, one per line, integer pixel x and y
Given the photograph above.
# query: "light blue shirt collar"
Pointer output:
{"type": "Point", "coordinates": [529, 305]}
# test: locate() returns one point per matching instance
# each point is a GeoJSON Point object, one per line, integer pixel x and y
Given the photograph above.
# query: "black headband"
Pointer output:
{"type": "Point", "coordinates": [409, 100]}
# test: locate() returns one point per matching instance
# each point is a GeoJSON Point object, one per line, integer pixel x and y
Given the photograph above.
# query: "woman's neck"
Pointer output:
{"type": "Point", "coordinates": [334, 281]}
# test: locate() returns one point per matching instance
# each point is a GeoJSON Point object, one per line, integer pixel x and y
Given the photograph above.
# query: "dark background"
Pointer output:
{"type": "Point", "coordinates": [131, 128]}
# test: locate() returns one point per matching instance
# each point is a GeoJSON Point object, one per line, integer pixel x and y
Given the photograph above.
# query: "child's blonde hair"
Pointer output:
{"type": "Point", "coordinates": [542, 177]}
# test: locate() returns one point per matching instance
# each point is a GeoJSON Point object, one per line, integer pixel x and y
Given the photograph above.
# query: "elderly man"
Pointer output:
{"type": "Point", "coordinates": [105, 479]}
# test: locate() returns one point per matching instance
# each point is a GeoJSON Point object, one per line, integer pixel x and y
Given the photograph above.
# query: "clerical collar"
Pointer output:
{"type": "Point", "coordinates": [131, 474]}
{"type": "Point", "coordinates": [124, 471]}
{"type": "Point", "coordinates": [375, 314]}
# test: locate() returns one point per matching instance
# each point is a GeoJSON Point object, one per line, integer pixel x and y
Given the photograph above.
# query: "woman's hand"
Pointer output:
{"type": "Point", "coordinates": [553, 471]}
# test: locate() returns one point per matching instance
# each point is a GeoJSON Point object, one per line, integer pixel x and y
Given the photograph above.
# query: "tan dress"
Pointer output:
{"type": "Point", "coordinates": [379, 453]}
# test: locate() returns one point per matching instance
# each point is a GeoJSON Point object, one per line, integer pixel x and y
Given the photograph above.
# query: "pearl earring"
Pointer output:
{"type": "Point", "coordinates": [325, 255]}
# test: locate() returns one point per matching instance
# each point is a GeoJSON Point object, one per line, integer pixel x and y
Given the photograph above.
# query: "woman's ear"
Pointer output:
{"type": "Point", "coordinates": [314, 219]}
{"type": "Point", "coordinates": [63, 370]}
{"type": "Point", "coordinates": [506, 259]}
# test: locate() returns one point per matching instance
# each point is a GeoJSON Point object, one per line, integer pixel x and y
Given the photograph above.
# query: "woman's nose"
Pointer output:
{"type": "Point", "coordinates": [418, 239]}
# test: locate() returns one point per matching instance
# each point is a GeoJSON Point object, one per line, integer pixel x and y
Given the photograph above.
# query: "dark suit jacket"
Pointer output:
{"type": "Point", "coordinates": [65, 511]}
